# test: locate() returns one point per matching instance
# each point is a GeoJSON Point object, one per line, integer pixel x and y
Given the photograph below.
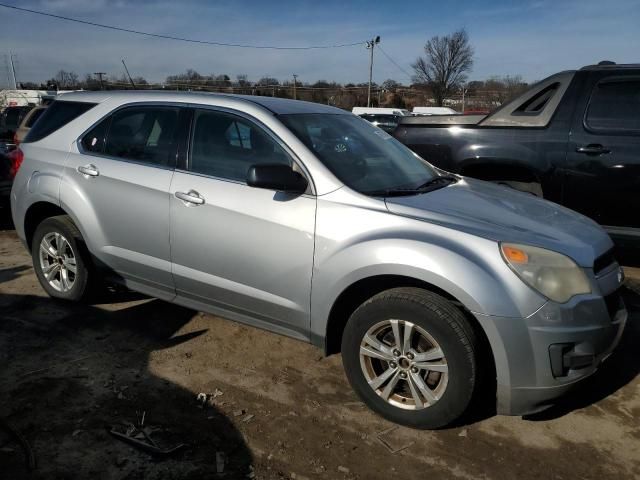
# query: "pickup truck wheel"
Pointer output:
{"type": "Point", "coordinates": [60, 259]}
{"type": "Point", "coordinates": [533, 188]}
{"type": "Point", "coordinates": [410, 356]}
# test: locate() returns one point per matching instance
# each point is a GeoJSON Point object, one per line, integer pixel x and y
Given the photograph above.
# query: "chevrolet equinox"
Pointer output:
{"type": "Point", "coordinates": [308, 221]}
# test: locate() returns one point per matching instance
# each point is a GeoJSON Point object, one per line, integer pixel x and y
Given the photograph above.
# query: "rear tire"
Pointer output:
{"type": "Point", "coordinates": [61, 260]}
{"type": "Point", "coordinates": [439, 355]}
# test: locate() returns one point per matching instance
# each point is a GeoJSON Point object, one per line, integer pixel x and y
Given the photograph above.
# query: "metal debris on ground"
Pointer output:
{"type": "Point", "coordinates": [392, 439]}
{"type": "Point", "coordinates": [220, 461]}
{"type": "Point", "coordinates": [140, 437]}
{"type": "Point", "coordinates": [30, 458]}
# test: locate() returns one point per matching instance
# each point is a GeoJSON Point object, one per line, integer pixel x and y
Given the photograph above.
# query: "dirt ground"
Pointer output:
{"type": "Point", "coordinates": [275, 408]}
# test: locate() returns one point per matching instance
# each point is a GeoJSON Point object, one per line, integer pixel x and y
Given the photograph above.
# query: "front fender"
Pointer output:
{"type": "Point", "coordinates": [472, 272]}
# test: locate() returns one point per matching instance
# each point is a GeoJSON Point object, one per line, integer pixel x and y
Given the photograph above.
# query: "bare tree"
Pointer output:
{"type": "Point", "coordinates": [64, 79]}
{"type": "Point", "coordinates": [446, 64]}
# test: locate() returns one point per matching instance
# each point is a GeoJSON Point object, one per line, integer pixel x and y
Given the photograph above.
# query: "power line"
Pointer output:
{"type": "Point", "coordinates": [181, 39]}
{"type": "Point", "coordinates": [393, 61]}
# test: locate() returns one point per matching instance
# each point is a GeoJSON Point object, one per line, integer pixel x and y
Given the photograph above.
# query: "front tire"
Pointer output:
{"type": "Point", "coordinates": [61, 261]}
{"type": "Point", "coordinates": [411, 357]}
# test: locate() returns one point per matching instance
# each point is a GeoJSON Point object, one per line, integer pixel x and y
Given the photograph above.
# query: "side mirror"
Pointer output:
{"type": "Point", "coordinates": [276, 176]}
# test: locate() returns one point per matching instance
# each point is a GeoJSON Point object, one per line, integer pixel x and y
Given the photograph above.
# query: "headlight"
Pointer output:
{"type": "Point", "coordinates": [554, 275]}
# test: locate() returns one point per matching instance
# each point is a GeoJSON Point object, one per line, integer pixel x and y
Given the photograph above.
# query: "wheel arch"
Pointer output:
{"type": "Point", "coordinates": [358, 292]}
{"type": "Point", "coordinates": [36, 214]}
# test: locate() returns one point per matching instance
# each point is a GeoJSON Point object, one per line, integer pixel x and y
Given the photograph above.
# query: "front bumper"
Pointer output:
{"type": "Point", "coordinates": [545, 355]}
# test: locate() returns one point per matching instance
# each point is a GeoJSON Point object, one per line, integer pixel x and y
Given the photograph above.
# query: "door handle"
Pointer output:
{"type": "Point", "coordinates": [593, 149]}
{"type": "Point", "coordinates": [89, 170]}
{"type": "Point", "coordinates": [191, 196]}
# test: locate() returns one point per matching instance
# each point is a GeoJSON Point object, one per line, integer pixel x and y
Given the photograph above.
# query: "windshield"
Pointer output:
{"type": "Point", "coordinates": [362, 156]}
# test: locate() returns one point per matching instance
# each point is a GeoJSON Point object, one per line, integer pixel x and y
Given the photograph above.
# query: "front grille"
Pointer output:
{"type": "Point", "coordinates": [603, 261]}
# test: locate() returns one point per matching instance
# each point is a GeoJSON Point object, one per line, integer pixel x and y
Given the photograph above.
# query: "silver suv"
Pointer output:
{"type": "Point", "coordinates": [310, 222]}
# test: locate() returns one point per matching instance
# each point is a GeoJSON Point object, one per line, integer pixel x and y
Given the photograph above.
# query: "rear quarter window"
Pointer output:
{"type": "Point", "coordinates": [56, 116]}
{"type": "Point", "coordinates": [34, 116]}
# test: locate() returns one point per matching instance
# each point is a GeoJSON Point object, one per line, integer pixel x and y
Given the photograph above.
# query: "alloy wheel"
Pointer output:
{"type": "Point", "coordinates": [404, 364]}
{"type": "Point", "coordinates": [58, 262]}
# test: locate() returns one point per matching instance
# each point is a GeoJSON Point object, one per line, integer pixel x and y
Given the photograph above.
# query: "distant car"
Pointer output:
{"type": "Point", "coordinates": [8, 167]}
{"type": "Point", "coordinates": [433, 111]}
{"type": "Point", "coordinates": [10, 119]}
{"type": "Point", "coordinates": [401, 112]}
{"type": "Point", "coordinates": [388, 123]}
{"type": "Point", "coordinates": [27, 122]}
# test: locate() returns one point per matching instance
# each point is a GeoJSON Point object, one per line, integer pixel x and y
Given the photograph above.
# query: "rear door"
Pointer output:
{"type": "Point", "coordinates": [123, 172]}
{"type": "Point", "coordinates": [241, 251]}
{"type": "Point", "coordinates": [603, 158]}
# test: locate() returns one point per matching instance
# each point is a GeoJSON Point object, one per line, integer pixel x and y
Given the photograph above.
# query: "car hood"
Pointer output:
{"type": "Point", "coordinates": [502, 214]}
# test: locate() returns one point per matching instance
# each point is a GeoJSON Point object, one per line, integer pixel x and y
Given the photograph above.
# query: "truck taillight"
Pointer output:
{"type": "Point", "coordinates": [15, 157]}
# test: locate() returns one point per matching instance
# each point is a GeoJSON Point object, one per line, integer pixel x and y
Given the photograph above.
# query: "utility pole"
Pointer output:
{"type": "Point", "coordinates": [127, 70]}
{"type": "Point", "coordinates": [6, 61]}
{"type": "Point", "coordinates": [370, 45]}
{"type": "Point", "coordinates": [464, 92]}
{"type": "Point", "coordinates": [295, 78]}
{"type": "Point", "coordinates": [13, 71]}
{"type": "Point", "coordinates": [100, 75]}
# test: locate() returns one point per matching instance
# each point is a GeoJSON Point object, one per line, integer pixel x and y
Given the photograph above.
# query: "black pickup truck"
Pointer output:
{"type": "Point", "coordinates": [573, 138]}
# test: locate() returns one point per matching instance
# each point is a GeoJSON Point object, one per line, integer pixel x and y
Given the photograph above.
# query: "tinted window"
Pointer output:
{"type": "Point", "coordinates": [143, 134]}
{"type": "Point", "coordinates": [13, 117]}
{"type": "Point", "coordinates": [34, 116]}
{"type": "Point", "coordinates": [226, 146]}
{"type": "Point", "coordinates": [615, 106]}
{"type": "Point", "coordinates": [94, 140]}
{"type": "Point", "coordinates": [57, 115]}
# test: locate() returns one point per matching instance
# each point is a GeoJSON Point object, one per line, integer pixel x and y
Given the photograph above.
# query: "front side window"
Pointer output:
{"type": "Point", "coordinates": [615, 106]}
{"type": "Point", "coordinates": [142, 134]}
{"type": "Point", "coordinates": [362, 156]}
{"type": "Point", "coordinates": [226, 146]}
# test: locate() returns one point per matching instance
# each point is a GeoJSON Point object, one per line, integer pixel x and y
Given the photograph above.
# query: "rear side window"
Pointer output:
{"type": "Point", "coordinates": [615, 106]}
{"type": "Point", "coordinates": [142, 134]}
{"type": "Point", "coordinates": [56, 116]}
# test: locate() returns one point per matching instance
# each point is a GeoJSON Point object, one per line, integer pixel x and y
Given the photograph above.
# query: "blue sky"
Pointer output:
{"type": "Point", "coordinates": [532, 39]}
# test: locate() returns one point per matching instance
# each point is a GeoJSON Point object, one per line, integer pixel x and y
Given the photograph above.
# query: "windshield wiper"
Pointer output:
{"type": "Point", "coordinates": [429, 186]}
{"type": "Point", "coordinates": [441, 180]}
